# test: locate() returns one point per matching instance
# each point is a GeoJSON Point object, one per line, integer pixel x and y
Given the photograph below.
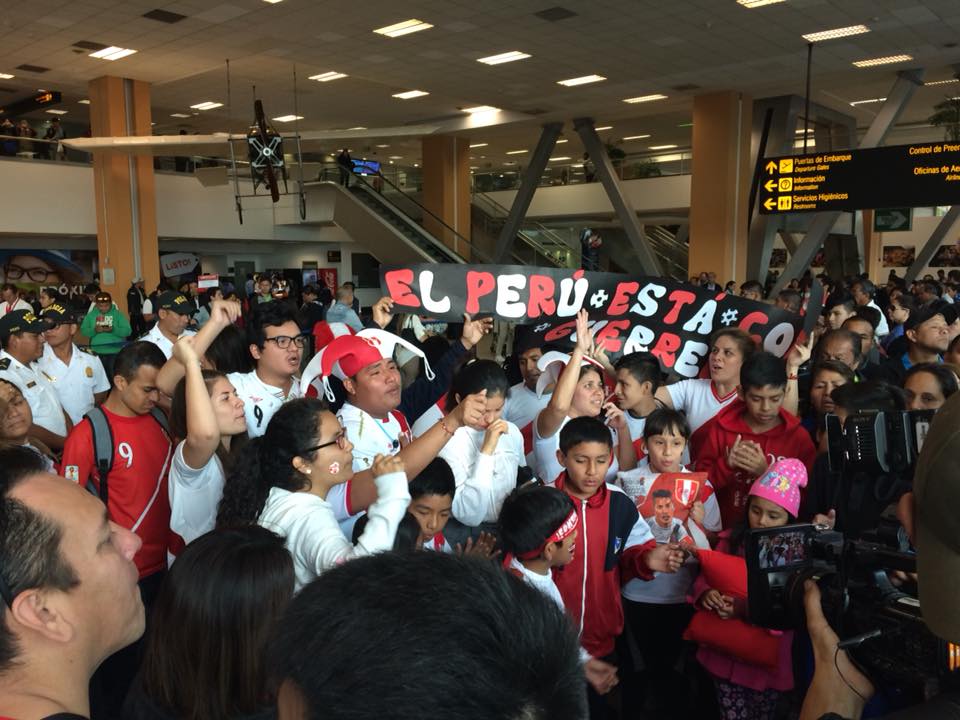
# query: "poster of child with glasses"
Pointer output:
{"type": "Point", "coordinates": [32, 271]}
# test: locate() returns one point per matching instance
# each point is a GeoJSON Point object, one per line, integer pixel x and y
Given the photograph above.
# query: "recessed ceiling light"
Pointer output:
{"type": "Point", "coordinates": [83, 102]}
{"type": "Point", "coordinates": [636, 137]}
{"type": "Point", "coordinates": [645, 98]}
{"type": "Point", "coordinates": [474, 167]}
{"type": "Point", "coordinates": [662, 147]}
{"type": "Point", "coordinates": [516, 152]}
{"type": "Point", "coordinates": [561, 142]}
{"type": "Point", "coordinates": [583, 80]}
{"type": "Point", "coordinates": [888, 60]}
{"type": "Point", "coordinates": [403, 28]}
{"type": "Point", "coordinates": [928, 84]}
{"type": "Point", "coordinates": [180, 115]}
{"type": "Point", "coordinates": [503, 58]}
{"type": "Point", "coordinates": [273, 2]}
{"type": "Point", "coordinates": [416, 164]}
{"type": "Point", "coordinates": [112, 53]}
{"type": "Point", "coordinates": [383, 146]}
{"type": "Point", "coordinates": [410, 94]}
{"type": "Point", "coordinates": [864, 102]}
{"type": "Point", "coordinates": [206, 105]}
{"type": "Point", "coordinates": [481, 109]}
{"type": "Point", "coordinates": [758, 3]}
{"type": "Point", "coordinates": [836, 33]}
{"type": "Point", "coordinates": [328, 76]}
{"type": "Point", "coordinates": [287, 118]}
{"type": "Point", "coordinates": [479, 145]}
{"type": "Point", "coordinates": [6, 76]}
{"type": "Point", "coordinates": [359, 127]}
{"type": "Point", "coordinates": [396, 157]}
{"type": "Point", "coordinates": [56, 112]}
{"type": "Point", "coordinates": [605, 127]}
{"type": "Point", "coordinates": [558, 159]}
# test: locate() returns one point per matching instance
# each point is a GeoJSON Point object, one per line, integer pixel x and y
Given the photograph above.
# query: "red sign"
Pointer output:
{"type": "Point", "coordinates": [327, 277]}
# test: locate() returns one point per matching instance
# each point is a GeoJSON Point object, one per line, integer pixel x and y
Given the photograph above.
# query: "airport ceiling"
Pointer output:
{"type": "Point", "coordinates": [642, 47]}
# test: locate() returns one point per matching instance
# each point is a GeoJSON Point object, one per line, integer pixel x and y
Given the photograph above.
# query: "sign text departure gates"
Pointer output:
{"type": "Point", "coordinates": [899, 175]}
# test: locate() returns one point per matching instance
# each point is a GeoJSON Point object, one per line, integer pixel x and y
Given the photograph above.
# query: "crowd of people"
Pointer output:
{"type": "Point", "coordinates": [226, 509]}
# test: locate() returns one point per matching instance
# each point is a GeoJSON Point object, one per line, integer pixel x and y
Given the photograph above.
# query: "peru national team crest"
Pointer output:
{"type": "Point", "coordinates": [687, 487]}
{"type": "Point", "coordinates": [72, 473]}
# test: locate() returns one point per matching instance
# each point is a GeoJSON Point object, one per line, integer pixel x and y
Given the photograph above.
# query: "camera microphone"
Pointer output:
{"type": "Point", "coordinates": [859, 639]}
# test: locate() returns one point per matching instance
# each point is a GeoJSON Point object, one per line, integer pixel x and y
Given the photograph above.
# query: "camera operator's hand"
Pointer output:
{"type": "Point", "coordinates": [828, 520]}
{"type": "Point", "coordinates": [601, 675]}
{"type": "Point", "coordinates": [838, 686]}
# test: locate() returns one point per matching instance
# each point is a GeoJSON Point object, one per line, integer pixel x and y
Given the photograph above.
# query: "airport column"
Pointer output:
{"type": "Point", "coordinates": [446, 190]}
{"type": "Point", "coordinates": [720, 186]}
{"type": "Point", "coordinates": [124, 187]}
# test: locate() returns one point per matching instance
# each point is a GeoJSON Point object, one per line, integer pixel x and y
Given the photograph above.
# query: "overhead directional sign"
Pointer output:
{"type": "Point", "coordinates": [893, 220]}
{"type": "Point", "coordinates": [886, 177]}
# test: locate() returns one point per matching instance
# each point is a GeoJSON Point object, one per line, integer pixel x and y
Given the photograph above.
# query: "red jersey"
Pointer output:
{"type": "Point", "coordinates": [138, 498]}
{"type": "Point", "coordinates": [710, 445]}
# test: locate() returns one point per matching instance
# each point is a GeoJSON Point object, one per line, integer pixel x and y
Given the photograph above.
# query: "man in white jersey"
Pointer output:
{"type": "Point", "coordinates": [524, 403]}
{"type": "Point", "coordinates": [638, 377]}
{"type": "Point", "coordinates": [173, 315]}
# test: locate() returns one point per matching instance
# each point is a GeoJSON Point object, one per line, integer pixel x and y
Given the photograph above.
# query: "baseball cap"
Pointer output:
{"type": "Point", "coordinates": [19, 321]}
{"type": "Point", "coordinates": [103, 297]}
{"type": "Point", "coordinates": [175, 302]}
{"type": "Point", "coordinates": [57, 314]}
{"type": "Point", "coordinates": [921, 315]}
{"type": "Point", "coordinates": [936, 499]}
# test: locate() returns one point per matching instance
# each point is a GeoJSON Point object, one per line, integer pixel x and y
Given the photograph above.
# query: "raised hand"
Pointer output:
{"type": "Point", "coordinates": [483, 548]}
{"type": "Point", "coordinates": [584, 334]}
{"type": "Point", "coordinates": [383, 311]}
{"type": "Point", "coordinates": [474, 330]}
{"type": "Point", "coordinates": [470, 410]}
{"type": "Point", "coordinates": [492, 436]}
{"type": "Point", "coordinates": [386, 464]}
{"type": "Point", "coordinates": [184, 351]}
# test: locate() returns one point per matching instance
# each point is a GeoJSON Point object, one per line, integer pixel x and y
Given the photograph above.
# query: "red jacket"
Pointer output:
{"type": "Point", "coordinates": [708, 450]}
{"type": "Point", "coordinates": [612, 542]}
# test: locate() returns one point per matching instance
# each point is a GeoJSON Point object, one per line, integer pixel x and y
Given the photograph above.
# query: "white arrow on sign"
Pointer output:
{"type": "Point", "coordinates": [895, 220]}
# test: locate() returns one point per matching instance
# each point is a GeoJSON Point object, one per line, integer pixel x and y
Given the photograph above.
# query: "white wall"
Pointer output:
{"type": "Point", "coordinates": [915, 238]}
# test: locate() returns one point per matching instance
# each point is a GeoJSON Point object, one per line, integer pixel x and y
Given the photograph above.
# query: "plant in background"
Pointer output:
{"type": "Point", "coordinates": [947, 115]}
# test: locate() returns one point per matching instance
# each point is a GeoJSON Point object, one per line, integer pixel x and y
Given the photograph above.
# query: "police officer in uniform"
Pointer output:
{"type": "Point", "coordinates": [21, 335]}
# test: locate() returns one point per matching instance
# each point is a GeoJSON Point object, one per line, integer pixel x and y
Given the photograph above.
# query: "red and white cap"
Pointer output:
{"type": "Point", "coordinates": [551, 364]}
{"type": "Point", "coordinates": [325, 333]}
{"type": "Point", "coordinates": [347, 355]}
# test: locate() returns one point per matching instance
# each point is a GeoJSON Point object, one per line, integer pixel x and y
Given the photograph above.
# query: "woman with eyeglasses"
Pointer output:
{"type": "Point", "coordinates": [281, 481]}
{"type": "Point", "coordinates": [206, 415]}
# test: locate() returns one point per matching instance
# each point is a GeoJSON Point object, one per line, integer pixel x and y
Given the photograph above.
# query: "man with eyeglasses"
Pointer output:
{"type": "Point", "coordinates": [10, 294]}
{"type": "Point", "coordinates": [173, 312]}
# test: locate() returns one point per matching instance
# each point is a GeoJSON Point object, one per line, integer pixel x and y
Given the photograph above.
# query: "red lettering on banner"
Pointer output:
{"type": "Point", "coordinates": [679, 299]}
{"type": "Point", "coordinates": [560, 331]}
{"type": "Point", "coordinates": [751, 319]}
{"type": "Point", "coordinates": [619, 305]}
{"type": "Point", "coordinates": [667, 345]}
{"type": "Point", "coordinates": [478, 285]}
{"type": "Point", "coordinates": [609, 336]}
{"type": "Point", "coordinates": [541, 300]}
{"type": "Point", "coordinates": [398, 287]}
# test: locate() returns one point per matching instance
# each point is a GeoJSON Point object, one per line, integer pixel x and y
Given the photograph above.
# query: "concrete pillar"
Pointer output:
{"type": "Point", "coordinates": [720, 186]}
{"type": "Point", "coordinates": [446, 190]}
{"type": "Point", "coordinates": [124, 188]}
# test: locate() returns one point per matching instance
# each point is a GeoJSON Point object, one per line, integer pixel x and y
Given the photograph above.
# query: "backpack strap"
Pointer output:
{"type": "Point", "coordinates": [161, 417]}
{"type": "Point", "coordinates": [102, 450]}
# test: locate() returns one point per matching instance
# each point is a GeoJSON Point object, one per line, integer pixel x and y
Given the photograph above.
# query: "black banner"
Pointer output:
{"type": "Point", "coordinates": [669, 319]}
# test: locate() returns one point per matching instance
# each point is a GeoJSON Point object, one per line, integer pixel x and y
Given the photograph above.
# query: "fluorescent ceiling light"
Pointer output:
{"type": "Point", "coordinates": [662, 147]}
{"type": "Point", "coordinates": [584, 80]}
{"type": "Point", "coordinates": [685, 125]}
{"type": "Point", "coordinates": [474, 167]}
{"type": "Point", "coordinates": [481, 109]}
{"type": "Point", "coordinates": [928, 84]}
{"type": "Point", "coordinates": [888, 60]}
{"type": "Point", "coordinates": [287, 118]}
{"type": "Point", "coordinates": [83, 102]}
{"type": "Point", "coordinates": [479, 145]}
{"type": "Point", "coordinates": [558, 159]}
{"type": "Point", "coordinates": [867, 102]}
{"type": "Point", "coordinates": [758, 3]}
{"type": "Point", "coordinates": [561, 142]}
{"type": "Point", "coordinates": [403, 28]}
{"type": "Point", "coordinates": [206, 105]}
{"type": "Point", "coordinates": [636, 137]}
{"type": "Point", "coordinates": [112, 53]}
{"type": "Point", "coordinates": [383, 146]}
{"type": "Point", "coordinates": [503, 58]}
{"type": "Point", "coordinates": [180, 115]}
{"type": "Point", "coordinates": [56, 112]}
{"type": "Point", "coordinates": [396, 157]}
{"type": "Point", "coordinates": [605, 127]}
{"type": "Point", "coordinates": [359, 127]}
{"type": "Point", "coordinates": [645, 98]}
{"type": "Point", "coordinates": [328, 76]}
{"type": "Point", "coordinates": [516, 152]}
{"type": "Point", "coordinates": [273, 2]}
{"type": "Point", "coordinates": [410, 94]}
{"type": "Point", "coordinates": [836, 33]}
{"type": "Point", "coordinates": [6, 76]}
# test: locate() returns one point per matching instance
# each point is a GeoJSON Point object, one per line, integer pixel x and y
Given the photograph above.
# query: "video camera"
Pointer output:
{"type": "Point", "coordinates": [880, 625]}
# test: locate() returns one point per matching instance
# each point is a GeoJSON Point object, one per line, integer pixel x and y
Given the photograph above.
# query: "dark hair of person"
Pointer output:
{"type": "Point", "coordinates": [497, 648]}
{"type": "Point", "coordinates": [435, 479]}
{"type": "Point", "coordinates": [661, 493]}
{"type": "Point", "coordinates": [763, 369]}
{"type": "Point", "coordinates": [792, 298]}
{"type": "Point", "coordinates": [869, 314]}
{"type": "Point", "coordinates": [867, 287]}
{"type": "Point", "coordinates": [268, 314]}
{"type": "Point", "coordinates": [132, 357]}
{"type": "Point", "coordinates": [11, 287]}
{"type": "Point", "coordinates": [872, 395]}
{"type": "Point", "coordinates": [588, 368]}
{"type": "Point", "coordinates": [843, 333]}
{"type": "Point", "coordinates": [666, 421]}
{"type": "Point", "coordinates": [435, 347]}
{"type": "Point", "coordinates": [179, 422]}
{"type": "Point", "coordinates": [406, 539]}
{"type": "Point", "coordinates": [739, 531]}
{"type": "Point", "coordinates": [745, 344]}
{"type": "Point", "coordinates": [954, 344]}
{"type": "Point", "coordinates": [229, 352]}
{"type": "Point", "coordinates": [643, 367]}
{"type": "Point", "coordinates": [907, 301]}
{"type": "Point", "coordinates": [944, 376]}
{"type": "Point", "coordinates": [932, 287]}
{"type": "Point", "coordinates": [530, 515]}
{"type": "Point", "coordinates": [474, 376]}
{"type": "Point", "coordinates": [752, 286]}
{"type": "Point", "coordinates": [212, 622]}
{"type": "Point", "coordinates": [266, 462]}
{"type": "Point", "coordinates": [834, 366]}
{"type": "Point", "coordinates": [582, 430]}
{"type": "Point", "coordinates": [30, 555]}
{"type": "Point", "coordinates": [841, 298]}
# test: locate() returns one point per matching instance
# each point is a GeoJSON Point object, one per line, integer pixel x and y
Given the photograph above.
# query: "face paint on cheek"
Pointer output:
{"type": "Point", "coordinates": [334, 468]}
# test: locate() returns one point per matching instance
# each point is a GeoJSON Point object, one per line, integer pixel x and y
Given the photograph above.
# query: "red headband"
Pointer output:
{"type": "Point", "coordinates": [565, 529]}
